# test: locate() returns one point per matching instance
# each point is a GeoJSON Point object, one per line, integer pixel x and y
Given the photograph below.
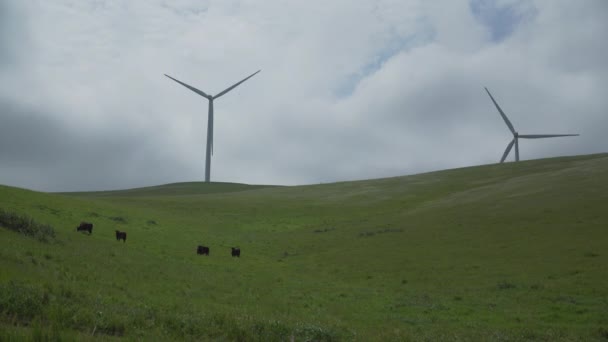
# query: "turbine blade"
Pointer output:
{"type": "Point", "coordinates": [538, 136]}
{"type": "Point", "coordinates": [504, 155]}
{"type": "Point", "coordinates": [235, 85]}
{"type": "Point", "coordinates": [504, 116]}
{"type": "Point", "coordinates": [200, 92]}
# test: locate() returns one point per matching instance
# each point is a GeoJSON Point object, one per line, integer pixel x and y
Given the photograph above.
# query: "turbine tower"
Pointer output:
{"type": "Point", "coordinates": [210, 118]}
{"type": "Point", "coordinates": [516, 135]}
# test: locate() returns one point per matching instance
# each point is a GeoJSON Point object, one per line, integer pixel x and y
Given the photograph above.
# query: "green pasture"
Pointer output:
{"type": "Point", "coordinates": [516, 251]}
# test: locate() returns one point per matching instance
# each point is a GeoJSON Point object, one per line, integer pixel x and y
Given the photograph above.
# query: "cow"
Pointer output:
{"type": "Point", "coordinates": [202, 250]}
{"type": "Point", "coordinates": [121, 235]}
{"type": "Point", "coordinates": [236, 252]}
{"type": "Point", "coordinates": [85, 226]}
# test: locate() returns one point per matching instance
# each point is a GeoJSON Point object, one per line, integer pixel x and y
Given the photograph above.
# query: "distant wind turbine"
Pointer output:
{"type": "Point", "coordinates": [210, 118]}
{"type": "Point", "coordinates": [516, 135]}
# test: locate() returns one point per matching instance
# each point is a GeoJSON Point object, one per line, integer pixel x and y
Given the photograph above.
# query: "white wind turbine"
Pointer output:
{"type": "Point", "coordinates": [516, 135]}
{"type": "Point", "coordinates": [210, 118]}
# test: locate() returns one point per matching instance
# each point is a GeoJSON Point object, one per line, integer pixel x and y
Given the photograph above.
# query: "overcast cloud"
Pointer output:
{"type": "Point", "coordinates": [348, 89]}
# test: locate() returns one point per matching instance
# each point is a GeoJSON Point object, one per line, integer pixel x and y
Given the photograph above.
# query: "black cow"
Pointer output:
{"type": "Point", "coordinates": [85, 226]}
{"type": "Point", "coordinates": [202, 250]}
{"type": "Point", "coordinates": [236, 252]}
{"type": "Point", "coordinates": [121, 235]}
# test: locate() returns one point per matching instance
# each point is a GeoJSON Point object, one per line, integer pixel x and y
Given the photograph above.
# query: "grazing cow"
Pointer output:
{"type": "Point", "coordinates": [202, 250]}
{"type": "Point", "coordinates": [85, 226]}
{"type": "Point", "coordinates": [121, 235]}
{"type": "Point", "coordinates": [236, 252]}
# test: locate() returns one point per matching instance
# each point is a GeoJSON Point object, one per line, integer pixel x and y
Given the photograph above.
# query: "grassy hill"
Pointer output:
{"type": "Point", "coordinates": [175, 189]}
{"type": "Point", "coordinates": [499, 252]}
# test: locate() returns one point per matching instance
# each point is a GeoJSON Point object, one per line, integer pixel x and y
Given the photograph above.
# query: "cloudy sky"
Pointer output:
{"type": "Point", "coordinates": [348, 89]}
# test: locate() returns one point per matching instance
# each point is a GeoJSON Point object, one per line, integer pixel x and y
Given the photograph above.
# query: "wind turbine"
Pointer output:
{"type": "Point", "coordinates": [210, 118]}
{"type": "Point", "coordinates": [516, 135]}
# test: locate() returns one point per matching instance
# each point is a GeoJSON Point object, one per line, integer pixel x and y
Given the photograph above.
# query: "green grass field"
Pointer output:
{"type": "Point", "coordinates": [517, 251]}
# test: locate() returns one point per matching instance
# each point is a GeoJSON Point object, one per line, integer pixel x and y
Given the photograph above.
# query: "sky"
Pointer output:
{"type": "Point", "coordinates": [348, 90]}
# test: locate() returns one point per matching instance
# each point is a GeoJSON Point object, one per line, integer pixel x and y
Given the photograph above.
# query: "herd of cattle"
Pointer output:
{"type": "Point", "coordinates": [88, 227]}
{"type": "Point", "coordinates": [204, 250]}
{"type": "Point", "coordinates": [200, 250]}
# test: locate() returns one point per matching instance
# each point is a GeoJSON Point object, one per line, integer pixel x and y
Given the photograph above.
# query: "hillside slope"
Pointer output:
{"type": "Point", "coordinates": [513, 251]}
{"type": "Point", "coordinates": [174, 189]}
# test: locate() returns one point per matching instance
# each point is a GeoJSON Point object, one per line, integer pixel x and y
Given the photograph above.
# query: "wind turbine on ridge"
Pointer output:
{"type": "Point", "coordinates": [516, 135]}
{"type": "Point", "coordinates": [210, 118]}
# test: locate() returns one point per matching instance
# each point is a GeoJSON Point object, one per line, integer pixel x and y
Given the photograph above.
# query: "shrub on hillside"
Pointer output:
{"type": "Point", "coordinates": [118, 219]}
{"type": "Point", "coordinates": [25, 225]}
